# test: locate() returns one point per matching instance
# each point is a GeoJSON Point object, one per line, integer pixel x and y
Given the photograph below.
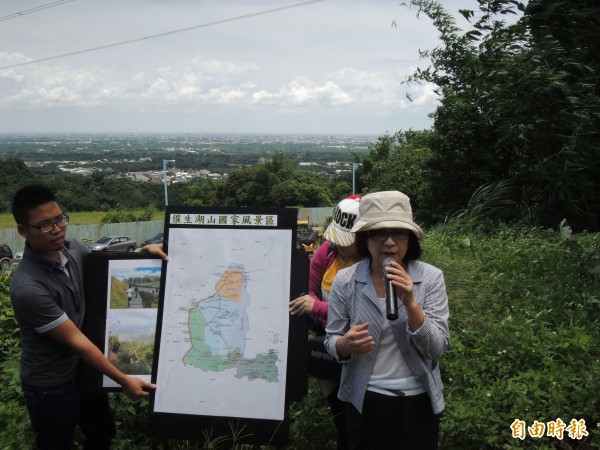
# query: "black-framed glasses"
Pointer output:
{"type": "Point", "coordinates": [383, 235]}
{"type": "Point", "coordinates": [47, 226]}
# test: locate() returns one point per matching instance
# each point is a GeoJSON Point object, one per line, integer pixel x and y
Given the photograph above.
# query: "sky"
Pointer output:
{"type": "Point", "coordinates": [220, 66]}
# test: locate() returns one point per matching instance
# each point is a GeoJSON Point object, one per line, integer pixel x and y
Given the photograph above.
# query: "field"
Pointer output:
{"type": "Point", "coordinates": [76, 218]}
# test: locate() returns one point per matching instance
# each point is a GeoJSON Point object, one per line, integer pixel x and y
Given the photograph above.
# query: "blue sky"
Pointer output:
{"type": "Point", "coordinates": [329, 66]}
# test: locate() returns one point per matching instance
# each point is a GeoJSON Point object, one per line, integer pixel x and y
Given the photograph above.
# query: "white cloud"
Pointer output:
{"type": "Point", "coordinates": [200, 83]}
{"type": "Point", "coordinates": [303, 92]}
{"type": "Point", "coordinates": [320, 65]}
{"type": "Point", "coordinates": [263, 97]}
{"type": "Point", "coordinates": [11, 59]}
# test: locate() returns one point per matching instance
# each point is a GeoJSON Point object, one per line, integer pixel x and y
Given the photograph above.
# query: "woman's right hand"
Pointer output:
{"type": "Point", "coordinates": [356, 341]}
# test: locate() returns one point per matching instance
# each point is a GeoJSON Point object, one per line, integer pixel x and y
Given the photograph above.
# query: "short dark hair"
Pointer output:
{"type": "Point", "coordinates": [30, 197]}
{"type": "Point", "coordinates": [412, 253]}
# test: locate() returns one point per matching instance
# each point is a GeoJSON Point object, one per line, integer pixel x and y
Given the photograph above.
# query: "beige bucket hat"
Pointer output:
{"type": "Point", "coordinates": [386, 209]}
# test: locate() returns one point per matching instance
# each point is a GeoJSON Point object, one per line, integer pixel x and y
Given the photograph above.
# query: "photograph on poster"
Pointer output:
{"type": "Point", "coordinates": [132, 302]}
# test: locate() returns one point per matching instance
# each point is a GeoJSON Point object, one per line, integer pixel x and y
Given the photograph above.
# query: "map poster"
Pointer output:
{"type": "Point", "coordinates": [223, 326]}
{"type": "Point", "coordinates": [122, 291]}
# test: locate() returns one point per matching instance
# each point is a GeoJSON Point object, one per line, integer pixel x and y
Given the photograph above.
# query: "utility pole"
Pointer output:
{"type": "Point", "coordinates": [165, 162]}
{"type": "Point", "coordinates": [354, 166]}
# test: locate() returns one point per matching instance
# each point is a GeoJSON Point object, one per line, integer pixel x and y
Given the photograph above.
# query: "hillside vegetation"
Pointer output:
{"type": "Point", "coordinates": [525, 327]}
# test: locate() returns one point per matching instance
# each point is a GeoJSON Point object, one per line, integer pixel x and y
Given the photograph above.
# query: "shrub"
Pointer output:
{"type": "Point", "coordinates": [15, 428]}
{"type": "Point", "coordinates": [524, 323]}
{"type": "Point", "coordinates": [127, 216]}
{"type": "Point", "coordinates": [524, 319]}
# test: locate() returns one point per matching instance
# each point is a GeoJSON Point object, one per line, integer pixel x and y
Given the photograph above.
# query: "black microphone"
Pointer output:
{"type": "Point", "coordinates": [391, 303]}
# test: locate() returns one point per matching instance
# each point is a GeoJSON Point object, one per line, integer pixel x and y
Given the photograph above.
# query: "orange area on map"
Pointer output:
{"type": "Point", "coordinates": [230, 285]}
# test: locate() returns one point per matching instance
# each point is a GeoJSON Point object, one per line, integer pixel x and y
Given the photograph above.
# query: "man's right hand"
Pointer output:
{"type": "Point", "coordinates": [155, 249]}
{"type": "Point", "coordinates": [137, 388]}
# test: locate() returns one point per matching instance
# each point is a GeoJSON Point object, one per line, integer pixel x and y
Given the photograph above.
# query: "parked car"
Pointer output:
{"type": "Point", "coordinates": [114, 243]}
{"type": "Point", "coordinates": [18, 256]}
{"type": "Point", "coordinates": [6, 256]}
{"type": "Point", "coordinates": [158, 239]}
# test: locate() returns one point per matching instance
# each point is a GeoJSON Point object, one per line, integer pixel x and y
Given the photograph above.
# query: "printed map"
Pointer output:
{"type": "Point", "coordinates": [218, 327]}
{"type": "Point", "coordinates": [223, 344]}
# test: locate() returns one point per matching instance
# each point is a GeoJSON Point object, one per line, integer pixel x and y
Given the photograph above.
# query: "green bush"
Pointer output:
{"type": "Point", "coordinates": [121, 216]}
{"type": "Point", "coordinates": [524, 322]}
{"type": "Point", "coordinates": [524, 308]}
{"type": "Point", "coordinates": [15, 429]}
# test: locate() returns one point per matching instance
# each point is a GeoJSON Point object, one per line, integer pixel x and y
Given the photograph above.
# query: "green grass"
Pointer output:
{"type": "Point", "coordinates": [78, 218]}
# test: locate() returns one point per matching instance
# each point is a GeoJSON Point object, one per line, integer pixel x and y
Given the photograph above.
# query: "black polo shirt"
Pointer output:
{"type": "Point", "coordinates": [43, 296]}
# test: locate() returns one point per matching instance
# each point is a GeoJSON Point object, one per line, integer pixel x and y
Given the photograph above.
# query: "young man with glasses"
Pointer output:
{"type": "Point", "coordinates": [46, 292]}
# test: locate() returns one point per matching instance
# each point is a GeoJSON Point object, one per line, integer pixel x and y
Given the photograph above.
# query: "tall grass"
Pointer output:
{"type": "Point", "coordinates": [525, 324]}
{"type": "Point", "coordinates": [525, 334]}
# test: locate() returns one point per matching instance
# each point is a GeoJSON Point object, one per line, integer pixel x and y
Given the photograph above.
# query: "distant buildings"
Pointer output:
{"type": "Point", "coordinates": [109, 166]}
{"type": "Point", "coordinates": [87, 168]}
{"type": "Point", "coordinates": [175, 176]}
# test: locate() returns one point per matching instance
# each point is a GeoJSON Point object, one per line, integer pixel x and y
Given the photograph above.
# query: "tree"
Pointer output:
{"type": "Point", "coordinates": [275, 183]}
{"type": "Point", "coordinates": [519, 104]}
{"type": "Point", "coordinates": [400, 162]}
{"type": "Point", "coordinates": [198, 192]}
{"type": "Point", "coordinates": [14, 174]}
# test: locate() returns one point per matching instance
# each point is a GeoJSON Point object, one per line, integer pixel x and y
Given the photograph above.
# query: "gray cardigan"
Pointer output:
{"type": "Point", "coordinates": [353, 301]}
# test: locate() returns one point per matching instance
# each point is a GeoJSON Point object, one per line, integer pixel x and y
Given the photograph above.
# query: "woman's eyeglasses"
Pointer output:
{"type": "Point", "coordinates": [383, 235]}
{"type": "Point", "coordinates": [47, 226]}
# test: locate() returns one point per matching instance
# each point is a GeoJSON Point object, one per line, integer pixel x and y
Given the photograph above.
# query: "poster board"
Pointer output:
{"type": "Point", "coordinates": [228, 357]}
{"type": "Point", "coordinates": [123, 329]}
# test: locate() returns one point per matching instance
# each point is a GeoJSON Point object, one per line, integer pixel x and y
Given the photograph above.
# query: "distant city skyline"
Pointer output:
{"type": "Point", "coordinates": [322, 67]}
